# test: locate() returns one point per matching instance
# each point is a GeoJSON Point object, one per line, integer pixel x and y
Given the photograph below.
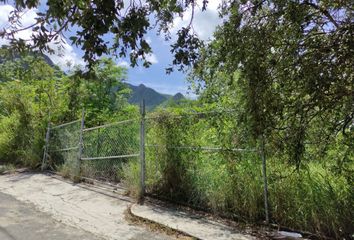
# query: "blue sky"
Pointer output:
{"type": "Point", "coordinates": [154, 76]}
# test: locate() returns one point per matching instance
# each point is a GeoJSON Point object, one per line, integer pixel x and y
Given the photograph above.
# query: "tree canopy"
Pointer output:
{"type": "Point", "coordinates": [126, 22]}
{"type": "Point", "coordinates": [288, 67]}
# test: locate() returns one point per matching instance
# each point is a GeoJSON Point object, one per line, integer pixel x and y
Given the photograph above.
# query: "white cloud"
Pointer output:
{"type": "Point", "coordinates": [29, 17]}
{"type": "Point", "coordinates": [204, 22]}
{"type": "Point", "coordinates": [65, 54]}
{"type": "Point", "coordinates": [148, 40]}
{"type": "Point", "coordinates": [152, 58]}
{"type": "Point", "coordinates": [123, 63]}
{"type": "Point", "coordinates": [4, 13]}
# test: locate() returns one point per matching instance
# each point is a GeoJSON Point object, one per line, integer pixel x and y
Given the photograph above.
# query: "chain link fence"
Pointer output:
{"type": "Point", "coordinates": [96, 153]}
{"type": "Point", "coordinates": [204, 160]}
{"type": "Point", "coordinates": [199, 159]}
{"type": "Point", "coordinates": [107, 148]}
{"type": "Point", "coordinates": [62, 148]}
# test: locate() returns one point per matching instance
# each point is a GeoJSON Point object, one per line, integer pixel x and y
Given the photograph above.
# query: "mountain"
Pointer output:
{"type": "Point", "coordinates": [152, 97]}
{"type": "Point", "coordinates": [138, 93]}
{"type": "Point", "coordinates": [178, 97]}
{"type": "Point", "coordinates": [12, 55]}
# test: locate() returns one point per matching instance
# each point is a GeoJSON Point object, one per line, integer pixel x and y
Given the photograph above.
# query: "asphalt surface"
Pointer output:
{"type": "Point", "coordinates": [41, 206]}
{"type": "Point", "coordinates": [22, 221]}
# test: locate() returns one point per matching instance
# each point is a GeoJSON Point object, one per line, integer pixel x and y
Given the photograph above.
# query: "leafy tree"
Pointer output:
{"type": "Point", "coordinates": [32, 93]}
{"type": "Point", "coordinates": [126, 22]}
{"type": "Point", "coordinates": [287, 66]}
{"type": "Point", "coordinates": [102, 92]}
{"type": "Point", "coordinates": [28, 92]}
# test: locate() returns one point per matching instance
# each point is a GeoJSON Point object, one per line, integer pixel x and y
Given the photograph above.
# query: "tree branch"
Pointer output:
{"type": "Point", "coordinates": [323, 11]}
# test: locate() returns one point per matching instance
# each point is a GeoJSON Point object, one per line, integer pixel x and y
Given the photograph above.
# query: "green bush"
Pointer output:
{"type": "Point", "coordinates": [9, 126]}
{"type": "Point", "coordinates": [22, 125]}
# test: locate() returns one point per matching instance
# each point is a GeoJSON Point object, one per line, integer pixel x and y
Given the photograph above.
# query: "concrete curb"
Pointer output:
{"type": "Point", "coordinates": [187, 223]}
{"type": "Point", "coordinates": [156, 225]}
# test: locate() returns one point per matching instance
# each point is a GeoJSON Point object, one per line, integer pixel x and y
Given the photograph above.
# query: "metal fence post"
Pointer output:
{"type": "Point", "coordinates": [142, 151]}
{"type": "Point", "coordinates": [46, 145]}
{"type": "Point", "coordinates": [81, 145]}
{"type": "Point", "coordinates": [265, 183]}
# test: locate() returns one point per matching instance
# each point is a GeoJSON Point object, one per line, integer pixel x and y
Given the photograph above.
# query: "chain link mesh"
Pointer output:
{"type": "Point", "coordinates": [107, 149]}
{"type": "Point", "coordinates": [189, 159]}
{"type": "Point", "coordinates": [63, 147]}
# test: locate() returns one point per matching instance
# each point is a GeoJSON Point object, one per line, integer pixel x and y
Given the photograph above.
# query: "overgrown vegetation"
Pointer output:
{"type": "Point", "coordinates": [8, 168]}
{"type": "Point", "coordinates": [281, 71]}
{"type": "Point", "coordinates": [315, 196]}
{"type": "Point", "coordinates": [32, 92]}
{"type": "Point", "coordinates": [228, 181]}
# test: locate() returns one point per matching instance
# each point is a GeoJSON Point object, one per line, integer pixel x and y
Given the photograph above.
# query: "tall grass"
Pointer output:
{"type": "Point", "coordinates": [313, 199]}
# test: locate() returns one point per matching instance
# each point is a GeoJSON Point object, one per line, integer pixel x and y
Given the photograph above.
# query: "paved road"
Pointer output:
{"type": "Point", "coordinates": [21, 221]}
{"type": "Point", "coordinates": [37, 206]}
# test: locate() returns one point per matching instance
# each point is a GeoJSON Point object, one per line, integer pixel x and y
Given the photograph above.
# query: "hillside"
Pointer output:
{"type": "Point", "coordinates": [13, 56]}
{"type": "Point", "coordinates": [151, 96]}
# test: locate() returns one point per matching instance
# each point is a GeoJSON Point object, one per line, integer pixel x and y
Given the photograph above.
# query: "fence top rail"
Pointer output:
{"type": "Point", "coordinates": [207, 148]}
{"type": "Point", "coordinates": [110, 124]}
{"type": "Point", "coordinates": [65, 124]}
